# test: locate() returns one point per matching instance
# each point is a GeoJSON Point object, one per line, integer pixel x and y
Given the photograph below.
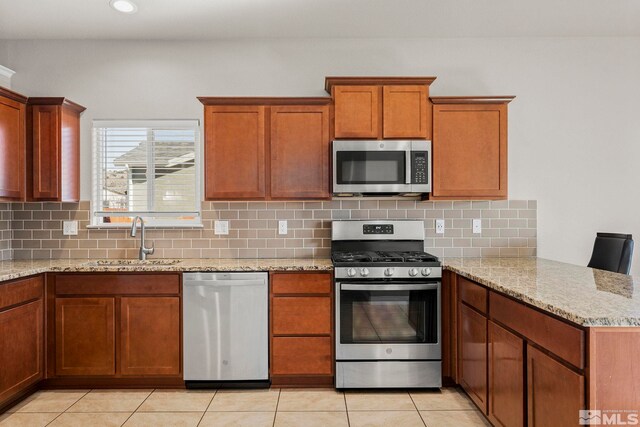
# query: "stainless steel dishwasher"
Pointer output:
{"type": "Point", "coordinates": [226, 329]}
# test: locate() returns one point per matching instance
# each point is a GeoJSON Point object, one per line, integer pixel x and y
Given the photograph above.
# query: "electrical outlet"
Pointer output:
{"type": "Point", "coordinates": [439, 226]}
{"type": "Point", "coordinates": [70, 228]}
{"type": "Point", "coordinates": [477, 226]}
{"type": "Point", "coordinates": [282, 227]}
{"type": "Point", "coordinates": [221, 227]}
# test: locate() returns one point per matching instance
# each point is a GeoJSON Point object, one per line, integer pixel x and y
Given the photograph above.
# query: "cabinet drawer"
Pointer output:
{"type": "Point", "coordinates": [121, 284]}
{"type": "Point", "coordinates": [558, 337]}
{"type": "Point", "coordinates": [301, 316]}
{"type": "Point", "coordinates": [473, 294]}
{"type": "Point", "coordinates": [301, 283]}
{"type": "Point", "coordinates": [20, 291]}
{"type": "Point", "coordinates": [301, 356]}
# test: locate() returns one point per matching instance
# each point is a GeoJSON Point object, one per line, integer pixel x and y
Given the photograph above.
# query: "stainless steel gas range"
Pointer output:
{"type": "Point", "coordinates": [387, 305]}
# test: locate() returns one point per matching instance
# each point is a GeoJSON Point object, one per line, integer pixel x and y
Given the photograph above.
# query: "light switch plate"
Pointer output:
{"type": "Point", "coordinates": [70, 228]}
{"type": "Point", "coordinates": [221, 227]}
{"type": "Point", "coordinates": [282, 227]}
{"type": "Point", "coordinates": [439, 226]}
{"type": "Point", "coordinates": [477, 226]}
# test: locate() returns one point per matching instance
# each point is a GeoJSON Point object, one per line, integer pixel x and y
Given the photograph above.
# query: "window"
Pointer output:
{"type": "Point", "coordinates": [148, 168]}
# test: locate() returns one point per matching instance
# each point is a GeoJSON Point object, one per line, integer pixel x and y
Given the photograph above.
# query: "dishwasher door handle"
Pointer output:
{"type": "Point", "coordinates": [224, 283]}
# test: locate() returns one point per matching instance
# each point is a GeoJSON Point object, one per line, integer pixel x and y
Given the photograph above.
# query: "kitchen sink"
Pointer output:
{"type": "Point", "coordinates": [132, 262]}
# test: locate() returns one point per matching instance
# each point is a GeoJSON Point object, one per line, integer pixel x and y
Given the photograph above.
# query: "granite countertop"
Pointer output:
{"type": "Point", "coordinates": [18, 268]}
{"type": "Point", "coordinates": [586, 296]}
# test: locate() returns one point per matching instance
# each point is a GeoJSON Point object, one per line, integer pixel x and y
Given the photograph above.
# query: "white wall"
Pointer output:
{"type": "Point", "coordinates": [574, 128]}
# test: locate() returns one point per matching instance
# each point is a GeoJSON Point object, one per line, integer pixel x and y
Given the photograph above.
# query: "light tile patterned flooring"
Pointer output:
{"type": "Point", "coordinates": [251, 408]}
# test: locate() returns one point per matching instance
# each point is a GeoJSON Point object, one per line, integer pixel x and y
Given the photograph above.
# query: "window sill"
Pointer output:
{"type": "Point", "coordinates": [124, 226]}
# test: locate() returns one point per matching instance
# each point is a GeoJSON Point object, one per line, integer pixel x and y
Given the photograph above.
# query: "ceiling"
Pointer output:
{"type": "Point", "coordinates": [225, 19]}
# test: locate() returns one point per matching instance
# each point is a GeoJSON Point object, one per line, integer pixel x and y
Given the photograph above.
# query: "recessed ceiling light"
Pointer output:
{"type": "Point", "coordinates": [124, 6]}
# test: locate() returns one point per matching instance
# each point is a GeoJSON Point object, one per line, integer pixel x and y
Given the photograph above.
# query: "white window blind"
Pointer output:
{"type": "Point", "coordinates": [148, 168]}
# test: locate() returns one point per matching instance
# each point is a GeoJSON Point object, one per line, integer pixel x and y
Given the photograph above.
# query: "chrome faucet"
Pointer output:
{"type": "Point", "coordinates": [143, 250]}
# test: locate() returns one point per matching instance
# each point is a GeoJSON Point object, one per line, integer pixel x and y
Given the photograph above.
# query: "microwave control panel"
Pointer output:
{"type": "Point", "coordinates": [419, 167]}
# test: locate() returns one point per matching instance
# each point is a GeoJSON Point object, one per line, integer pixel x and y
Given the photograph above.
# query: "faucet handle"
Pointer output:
{"type": "Point", "coordinates": [152, 249]}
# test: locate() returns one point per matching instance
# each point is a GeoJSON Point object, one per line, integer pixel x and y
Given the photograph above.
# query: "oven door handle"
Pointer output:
{"type": "Point", "coordinates": [405, 287]}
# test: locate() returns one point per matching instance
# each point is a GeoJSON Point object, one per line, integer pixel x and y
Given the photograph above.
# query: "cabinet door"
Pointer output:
{"type": "Point", "coordinates": [234, 152]}
{"type": "Point", "coordinates": [12, 149]}
{"type": "Point", "coordinates": [470, 151]}
{"type": "Point", "coordinates": [85, 343]}
{"type": "Point", "coordinates": [46, 131]}
{"type": "Point", "coordinates": [406, 112]}
{"type": "Point", "coordinates": [506, 377]}
{"type": "Point", "coordinates": [555, 393]}
{"type": "Point", "coordinates": [21, 346]}
{"type": "Point", "coordinates": [150, 336]}
{"type": "Point", "coordinates": [301, 356]}
{"type": "Point", "coordinates": [357, 111]}
{"type": "Point", "coordinates": [472, 354]}
{"type": "Point", "coordinates": [300, 152]}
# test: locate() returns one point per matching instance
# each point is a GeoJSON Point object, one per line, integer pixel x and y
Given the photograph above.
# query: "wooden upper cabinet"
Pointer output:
{"type": "Point", "coordinates": [12, 145]}
{"type": "Point", "coordinates": [381, 107]}
{"type": "Point", "coordinates": [406, 112]}
{"type": "Point", "coordinates": [299, 152]}
{"type": "Point", "coordinates": [357, 111]}
{"type": "Point", "coordinates": [53, 129]}
{"type": "Point", "coordinates": [234, 152]}
{"type": "Point", "coordinates": [470, 147]}
{"type": "Point", "coordinates": [266, 148]}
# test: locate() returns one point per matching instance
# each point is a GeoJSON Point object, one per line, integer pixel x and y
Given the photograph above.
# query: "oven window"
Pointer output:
{"type": "Point", "coordinates": [370, 167]}
{"type": "Point", "coordinates": [374, 317]}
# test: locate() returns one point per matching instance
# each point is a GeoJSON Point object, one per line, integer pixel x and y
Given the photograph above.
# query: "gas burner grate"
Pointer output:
{"type": "Point", "coordinates": [351, 257]}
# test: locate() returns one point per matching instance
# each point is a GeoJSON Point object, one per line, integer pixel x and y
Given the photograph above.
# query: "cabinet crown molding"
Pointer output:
{"type": "Point", "coordinates": [472, 99]}
{"type": "Point", "coordinates": [257, 100]}
{"type": "Point", "coordinates": [64, 102]}
{"type": "Point", "coordinates": [15, 96]}
{"type": "Point", "coordinates": [331, 81]}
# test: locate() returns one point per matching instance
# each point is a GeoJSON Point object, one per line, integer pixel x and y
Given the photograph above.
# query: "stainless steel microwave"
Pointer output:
{"type": "Point", "coordinates": [379, 167]}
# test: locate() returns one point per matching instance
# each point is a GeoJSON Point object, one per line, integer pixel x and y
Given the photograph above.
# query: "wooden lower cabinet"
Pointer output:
{"type": "Point", "coordinates": [472, 355]}
{"type": "Point", "coordinates": [85, 336]}
{"type": "Point", "coordinates": [555, 393]}
{"type": "Point", "coordinates": [506, 377]}
{"type": "Point", "coordinates": [150, 336]}
{"type": "Point", "coordinates": [121, 329]}
{"type": "Point", "coordinates": [21, 348]}
{"type": "Point", "coordinates": [302, 356]}
{"type": "Point", "coordinates": [302, 316]}
{"type": "Point", "coordinates": [301, 329]}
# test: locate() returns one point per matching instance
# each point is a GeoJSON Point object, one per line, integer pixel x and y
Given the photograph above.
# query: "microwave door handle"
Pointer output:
{"type": "Point", "coordinates": [407, 167]}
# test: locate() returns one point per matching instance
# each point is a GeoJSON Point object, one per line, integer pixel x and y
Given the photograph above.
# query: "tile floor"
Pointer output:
{"type": "Point", "coordinates": [251, 408]}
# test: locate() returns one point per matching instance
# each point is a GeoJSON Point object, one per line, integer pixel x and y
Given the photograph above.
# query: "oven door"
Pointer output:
{"type": "Point", "coordinates": [371, 166]}
{"type": "Point", "coordinates": [388, 320]}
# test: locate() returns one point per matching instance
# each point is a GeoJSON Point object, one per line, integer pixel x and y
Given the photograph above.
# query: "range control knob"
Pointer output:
{"type": "Point", "coordinates": [364, 272]}
{"type": "Point", "coordinates": [426, 271]}
{"type": "Point", "coordinates": [389, 271]}
{"type": "Point", "coordinates": [413, 272]}
{"type": "Point", "coordinates": [351, 272]}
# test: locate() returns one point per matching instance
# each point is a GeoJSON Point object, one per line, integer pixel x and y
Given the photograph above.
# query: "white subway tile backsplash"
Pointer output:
{"type": "Point", "coordinates": [33, 230]}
